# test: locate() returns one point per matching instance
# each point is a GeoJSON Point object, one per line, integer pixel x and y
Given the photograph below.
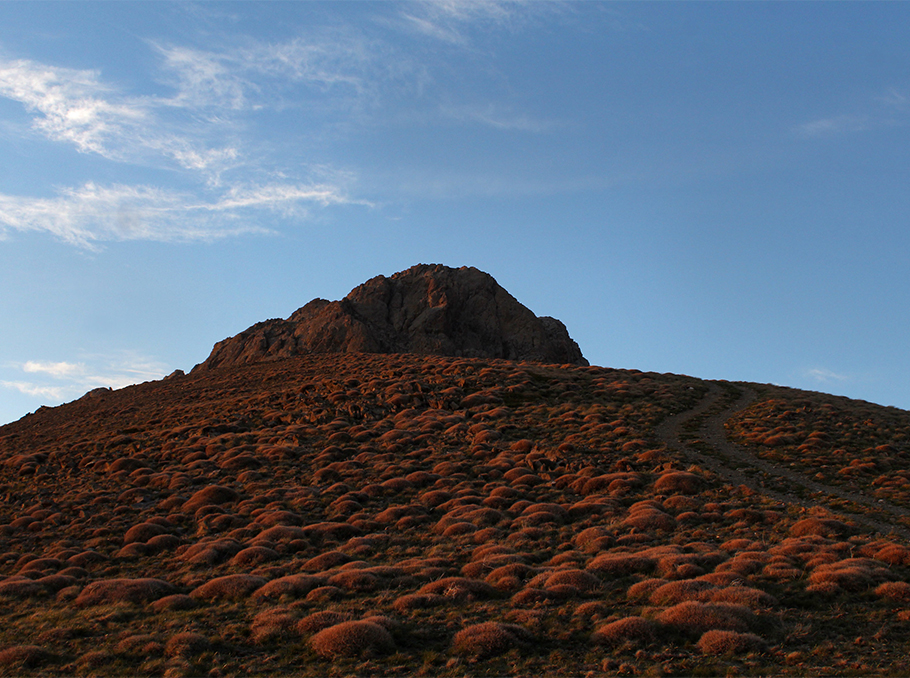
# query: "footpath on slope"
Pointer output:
{"type": "Point", "coordinates": [738, 466]}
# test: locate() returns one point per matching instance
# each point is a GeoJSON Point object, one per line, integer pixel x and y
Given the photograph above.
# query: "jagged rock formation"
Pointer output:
{"type": "Point", "coordinates": [427, 309]}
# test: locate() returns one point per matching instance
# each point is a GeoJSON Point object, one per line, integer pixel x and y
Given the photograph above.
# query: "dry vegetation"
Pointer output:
{"type": "Point", "coordinates": [844, 443]}
{"type": "Point", "coordinates": [414, 515]}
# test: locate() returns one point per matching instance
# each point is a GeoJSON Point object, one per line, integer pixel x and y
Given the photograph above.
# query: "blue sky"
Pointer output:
{"type": "Point", "coordinates": [712, 189]}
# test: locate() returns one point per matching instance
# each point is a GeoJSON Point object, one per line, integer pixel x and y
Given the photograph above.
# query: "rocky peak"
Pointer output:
{"type": "Point", "coordinates": [427, 309]}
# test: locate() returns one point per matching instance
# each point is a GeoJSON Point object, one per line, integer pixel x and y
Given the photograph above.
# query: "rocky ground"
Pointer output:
{"type": "Point", "coordinates": [342, 514]}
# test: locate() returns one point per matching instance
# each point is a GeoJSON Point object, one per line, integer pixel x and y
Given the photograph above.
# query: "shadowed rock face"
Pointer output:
{"type": "Point", "coordinates": [427, 309]}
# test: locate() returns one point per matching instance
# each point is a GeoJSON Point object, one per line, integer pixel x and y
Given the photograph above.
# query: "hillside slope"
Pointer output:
{"type": "Point", "coordinates": [423, 515]}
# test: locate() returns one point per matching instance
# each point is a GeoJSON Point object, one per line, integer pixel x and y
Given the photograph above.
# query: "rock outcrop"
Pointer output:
{"type": "Point", "coordinates": [427, 309]}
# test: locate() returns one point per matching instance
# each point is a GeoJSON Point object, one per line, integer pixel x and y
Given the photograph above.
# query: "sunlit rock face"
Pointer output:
{"type": "Point", "coordinates": [428, 309]}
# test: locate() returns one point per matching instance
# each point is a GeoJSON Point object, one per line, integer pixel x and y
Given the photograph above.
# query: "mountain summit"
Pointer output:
{"type": "Point", "coordinates": [428, 309]}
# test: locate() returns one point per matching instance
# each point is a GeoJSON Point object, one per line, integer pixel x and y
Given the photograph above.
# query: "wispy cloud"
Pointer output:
{"type": "Point", "coordinates": [497, 118]}
{"type": "Point", "coordinates": [835, 125]}
{"type": "Point", "coordinates": [825, 376]}
{"type": "Point", "coordinates": [255, 75]}
{"type": "Point", "coordinates": [76, 107]}
{"type": "Point", "coordinates": [51, 393]}
{"type": "Point", "coordinates": [55, 382]}
{"type": "Point", "coordinates": [91, 214]}
{"type": "Point", "coordinates": [886, 110]}
{"type": "Point", "coordinates": [447, 20]}
{"type": "Point", "coordinates": [57, 370]}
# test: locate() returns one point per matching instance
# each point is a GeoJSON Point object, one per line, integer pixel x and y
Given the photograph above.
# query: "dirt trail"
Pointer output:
{"type": "Point", "coordinates": [738, 466]}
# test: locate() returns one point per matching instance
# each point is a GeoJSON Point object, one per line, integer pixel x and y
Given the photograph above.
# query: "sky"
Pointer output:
{"type": "Point", "coordinates": [711, 189]}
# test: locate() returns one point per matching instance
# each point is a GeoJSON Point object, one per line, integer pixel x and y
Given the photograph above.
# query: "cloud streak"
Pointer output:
{"type": "Point", "coordinates": [91, 214]}
{"type": "Point", "coordinates": [76, 107]}
{"type": "Point", "coordinates": [834, 125]}
{"type": "Point", "coordinates": [57, 381]}
{"type": "Point", "coordinates": [825, 376]}
{"type": "Point", "coordinates": [447, 20]}
{"type": "Point", "coordinates": [497, 118]}
{"type": "Point", "coordinates": [202, 121]}
{"type": "Point", "coordinates": [888, 110]}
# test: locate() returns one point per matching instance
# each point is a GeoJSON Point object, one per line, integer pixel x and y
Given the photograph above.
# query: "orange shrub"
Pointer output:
{"type": "Point", "coordinates": [459, 588]}
{"type": "Point", "coordinates": [581, 580]}
{"type": "Point", "coordinates": [293, 585]}
{"type": "Point", "coordinates": [21, 588]}
{"type": "Point", "coordinates": [626, 629]}
{"type": "Point", "coordinates": [213, 494]}
{"type": "Point", "coordinates": [678, 482]}
{"type": "Point", "coordinates": [818, 526]}
{"type": "Point", "coordinates": [143, 532]}
{"type": "Point", "coordinates": [320, 620]}
{"type": "Point", "coordinates": [893, 554]}
{"type": "Point", "coordinates": [489, 639]}
{"type": "Point", "coordinates": [352, 639]}
{"type": "Point", "coordinates": [781, 572]}
{"type": "Point", "coordinates": [852, 574]}
{"type": "Point", "coordinates": [506, 576]}
{"type": "Point", "coordinates": [231, 586]}
{"type": "Point", "coordinates": [186, 644]}
{"type": "Point", "coordinates": [271, 624]}
{"type": "Point", "coordinates": [325, 561]}
{"type": "Point", "coordinates": [642, 590]}
{"type": "Point", "coordinates": [898, 591]}
{"type": "Point", "coordinates": [650, 519]}
{"type": "Point", "coordinates": [176, 601]}
{"type": "Point", "coordinates": [107, 591]}
{"type": "Point", "coordinates": [620, 564]}
{"type": "Point", "coordinates": [212, 552]}
{"type": "Point", "coordinates": [26, 656]}
{"type": "Point", "coordinates": [417, 601]}
{"type": "Point", "coordinates": [253, 555]}
{"type": "Point", "coordinates": [743, 595]}
{"type": "Point", "coordinates": [699, 617]}
{"type": "Point", "coordinates": [724, 643]}
{"type": "Point", "coordinates": [678, 591]}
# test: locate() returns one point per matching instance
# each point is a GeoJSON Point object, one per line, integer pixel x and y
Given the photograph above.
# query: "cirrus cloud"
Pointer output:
{"type": "Point", "coordinates": [75, 107]}
{"type": "Point", "coordinates": [56, 381]}
{"type": "Point", "coordinates": [91, 213]}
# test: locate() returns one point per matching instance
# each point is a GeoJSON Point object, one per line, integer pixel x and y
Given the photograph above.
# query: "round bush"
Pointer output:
{"type": "Point", "coordinates": [818, 526]}
{"type": "Point", "coordinates": [293, 585]}
{"type": "Point", "coordinates": [583, 581]}
{"type": "Point", "coordinates": [352, 639]}
{"type": "Point", "coordinates": [212, 552]}
{"type": "Point", "coordinates": [215, 495]}
{"type": "Point", "coordinates": [743, 595]}
{"type": "Point", "coordinates": [898, 591]}
{"type": "Point", "coordinates": [459, 588]}
{"type": "Point", "coordinates": [109, 591]}
{"type": "Point", "coordinates": [678, 482]}
{"type": "Point", "coordinates": [724, 643]}
{"type": "Point", "coordinates": [27, 656]}
{"type": "Point", "coordinates": [626, 629]}
{"type": "Point", "coordinates": [253, 555]}
{"type": "Point", "coordinates": [317, 621]}
{"type": "Point", "coordinates": [228, 587]}
{"type": "Point", "coordinates": [21, 588]}
{"type": "Point", "coordinates": [697, 617]}
{"type": "Point", "coordinates": [271, 624]}
{"type": "Point", "coordinates": [489, 639]}
{"type": "Point", "coordinates": [142, 532]}
{"type": "Point", "coordinates": [620, 564]}
{"type": "Point", "coordinates": [186, 644]}
{"type": "Point", "coordinates": [679, 591]}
